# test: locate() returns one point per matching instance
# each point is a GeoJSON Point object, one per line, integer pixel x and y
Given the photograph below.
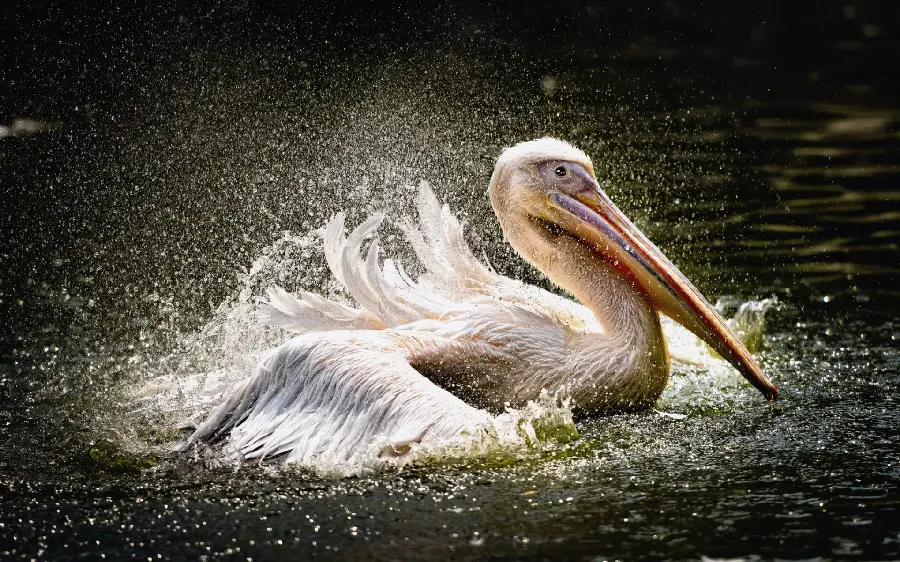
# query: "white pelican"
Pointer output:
{"type": "Point", "coordinates": [426, 361]}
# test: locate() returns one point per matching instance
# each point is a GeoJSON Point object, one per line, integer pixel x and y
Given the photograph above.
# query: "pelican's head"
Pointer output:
{"type": "Point", "coordinates": [543, 188]}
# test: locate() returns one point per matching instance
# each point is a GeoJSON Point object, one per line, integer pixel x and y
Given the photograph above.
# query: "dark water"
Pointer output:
{"type": "Point", "coordinates": [148, 154]}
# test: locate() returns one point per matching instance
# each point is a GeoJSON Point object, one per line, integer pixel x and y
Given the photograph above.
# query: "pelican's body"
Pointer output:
{"type": "Point", "coordinates": [429, 361]}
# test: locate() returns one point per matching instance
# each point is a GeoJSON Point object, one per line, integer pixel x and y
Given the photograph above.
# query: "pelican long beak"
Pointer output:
{"type": "Point", "coordinates": [591, 215]}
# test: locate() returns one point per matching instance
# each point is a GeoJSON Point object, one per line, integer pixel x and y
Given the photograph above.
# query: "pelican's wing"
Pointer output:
{"type": "Point", "coordinates": [381, 304]}
{"type": "Point", "coordinates": [343, 396]}
{"type": "Point", "coordinates": [313, 313]}
{"type": "Point", "coordinates": [455, 285]}
{"type": "Point", "coordinates": [439, 244]}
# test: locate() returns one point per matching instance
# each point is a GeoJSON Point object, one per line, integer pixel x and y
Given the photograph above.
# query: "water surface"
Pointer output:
{"type": "Point", "coordinates": [150, 156]}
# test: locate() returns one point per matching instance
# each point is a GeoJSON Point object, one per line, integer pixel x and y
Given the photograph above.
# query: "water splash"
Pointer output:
{"type": "Point", "coordinates": [542, 425]}
{"type": "Point", "coordinates": [701, 382]}
{"type": "Point", "coordinates": [179, 389]}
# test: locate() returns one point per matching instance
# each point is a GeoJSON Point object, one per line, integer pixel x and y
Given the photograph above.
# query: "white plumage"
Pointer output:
{"type": "Point", "coordinates": [347, 385]}
{"type": "Point", "coordinates": [426, 363]}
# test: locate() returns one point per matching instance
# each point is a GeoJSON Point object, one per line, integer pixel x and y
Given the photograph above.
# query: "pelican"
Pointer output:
{"type": "Point", "coordinates": [428, 361]}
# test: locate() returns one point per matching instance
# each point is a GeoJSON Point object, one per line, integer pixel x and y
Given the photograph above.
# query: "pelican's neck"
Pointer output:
{"type": "Point", "coordinates": [626, 366]}
{"type": "Point", "coordinates": [617, 304]}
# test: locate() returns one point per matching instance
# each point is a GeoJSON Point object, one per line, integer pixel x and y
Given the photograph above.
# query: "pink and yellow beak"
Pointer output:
{"type": "Point", "coordinates": [602, 225]}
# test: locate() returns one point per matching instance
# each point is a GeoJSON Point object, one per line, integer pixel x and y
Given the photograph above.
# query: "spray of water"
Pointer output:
{"type": "Point", "coordinates": [701, 381]}
{"type": "Point", "coordinates": [207, 363]}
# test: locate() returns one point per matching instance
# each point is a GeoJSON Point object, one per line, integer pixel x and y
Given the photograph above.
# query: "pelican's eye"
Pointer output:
{"type": "Point", "coordinates": [560, 171]}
